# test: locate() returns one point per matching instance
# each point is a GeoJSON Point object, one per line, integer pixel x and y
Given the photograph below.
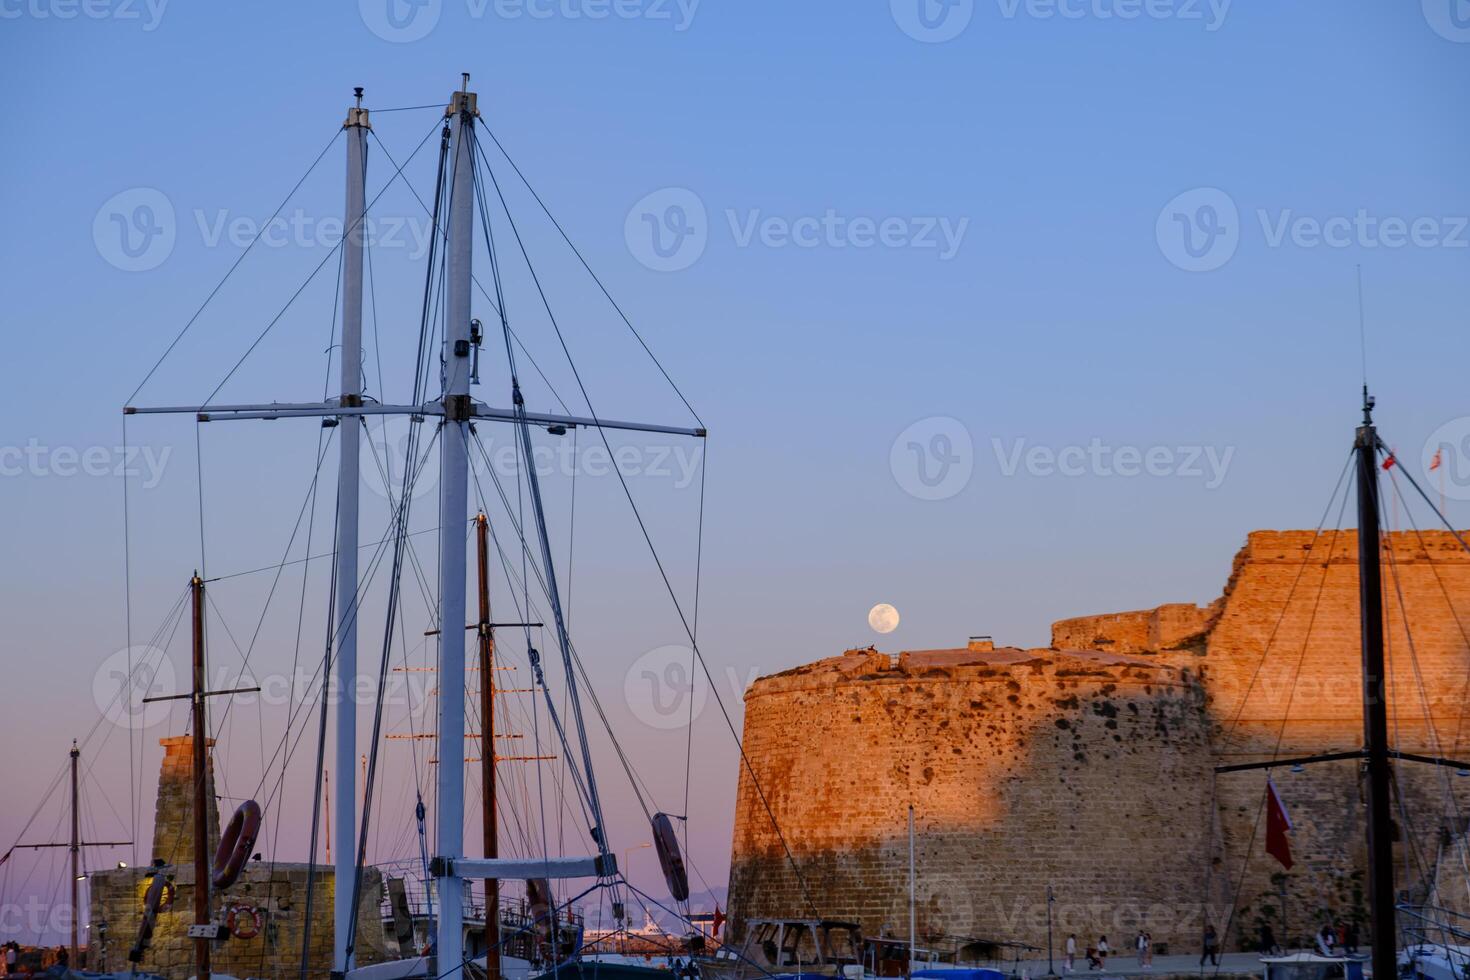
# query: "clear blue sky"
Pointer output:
{"type": "Point", "coordinates": [1034, 177]}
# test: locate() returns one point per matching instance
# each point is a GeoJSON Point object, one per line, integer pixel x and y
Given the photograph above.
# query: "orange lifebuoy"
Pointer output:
{"type": "Point", "coordinates": [243, 921]}
{"type": "Point", "coordinates": [235, 845]}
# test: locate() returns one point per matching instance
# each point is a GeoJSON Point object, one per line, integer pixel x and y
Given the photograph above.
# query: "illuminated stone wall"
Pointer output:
{"type": "Point", "coordinates": [277, 892]}
{"type": "Point", "coordinates": [1089, 765]}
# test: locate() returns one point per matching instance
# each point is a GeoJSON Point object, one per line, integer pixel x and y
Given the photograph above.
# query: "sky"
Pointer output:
{"type": "Point", "coordinates": [997, 311]}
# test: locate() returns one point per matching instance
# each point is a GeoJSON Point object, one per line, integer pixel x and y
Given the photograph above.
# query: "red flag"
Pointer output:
{"type": "Point", "coordinates": [1388, 463]}
{"type": "Point", "coordinates": [718, 921]}
{"type": "Point", "coordinates": [1438, 459]}
{"type": "Point", "coordinates": [1278, 825]}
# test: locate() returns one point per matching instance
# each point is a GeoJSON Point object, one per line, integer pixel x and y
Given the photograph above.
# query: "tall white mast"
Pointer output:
{"type": "Point", "coordinates": [453, 513]}
{"type": "Point", "coordinates": [345, 800]}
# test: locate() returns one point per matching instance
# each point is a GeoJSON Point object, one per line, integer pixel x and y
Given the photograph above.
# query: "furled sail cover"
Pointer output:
{"type": "Point", "coordinates": [669, 857]}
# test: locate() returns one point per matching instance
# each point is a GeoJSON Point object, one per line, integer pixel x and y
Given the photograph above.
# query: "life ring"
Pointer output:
{"type": "Point", "coordinates": [236, 845]}
{"type": "Point", "coordinates": [159, 898]}
{"type": "Point", "coordinates": [243, 921]}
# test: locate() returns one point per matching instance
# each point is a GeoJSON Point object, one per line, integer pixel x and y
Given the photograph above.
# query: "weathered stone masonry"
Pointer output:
{"type": "Point", "coordinates": [1088, 765]}
{"type": "Point", "coordinates": [277, 891]}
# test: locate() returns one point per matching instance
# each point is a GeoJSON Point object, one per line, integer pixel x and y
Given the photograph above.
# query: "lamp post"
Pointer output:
{"type": "Point", "coordinates": [628, 851]}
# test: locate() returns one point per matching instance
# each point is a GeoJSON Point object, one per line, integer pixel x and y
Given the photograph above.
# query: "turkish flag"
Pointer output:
{"type": "Point", "coordinates": [719, 920]}
{"type": "Point", "coordinates": [1278, 825]}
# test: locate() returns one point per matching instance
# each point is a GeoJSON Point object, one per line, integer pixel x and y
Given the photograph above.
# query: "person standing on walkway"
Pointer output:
{"type": "Point", "coordinates": [1102, 952]}
{"type": "Point", "coordinates": [1071, 959]}
{"type": "Point", "coordinates": [1211, 946]}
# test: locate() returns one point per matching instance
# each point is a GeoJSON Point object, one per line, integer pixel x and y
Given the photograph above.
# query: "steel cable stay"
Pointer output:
{"type": "Point", "coordinates": [577, 252]}
{"type": "Point", "coordinates": [602, 434]}
{"type": "Point", "coordinates": [1249, 851]}
{"type": "Point", "coordinates": [525, 613]}
{"type": "Point", "coordinates": [1387, 780]}
{"type": "Point", "coordinates": [1436, 744]}
{"type": "Point", "coordinates": [523, 581]}
{"type": "Point", "coordinates": [442, 235]}
{"type": "Point", "coordinates": [219, 285]}
{"type": "Point", "coordinates": [589, 777]}
{"type": "Point", "coordinates": [402, 553]}
{"type": "Point", "coordinates": [1391, 680]}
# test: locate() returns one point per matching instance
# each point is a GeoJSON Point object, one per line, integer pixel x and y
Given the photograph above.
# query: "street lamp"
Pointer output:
{"type": "Point", "coordinates": [627, 852]}
{"type": "Point", "coordinates": [627, 855]}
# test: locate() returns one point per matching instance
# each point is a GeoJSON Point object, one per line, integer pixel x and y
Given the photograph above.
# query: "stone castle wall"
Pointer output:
{"type": "Point", "coordinates": [1089, 766]}
{"type": "Point", "coordinates": [276, 891]}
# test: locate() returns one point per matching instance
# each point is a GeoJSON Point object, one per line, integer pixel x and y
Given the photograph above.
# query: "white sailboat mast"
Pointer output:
{"type": "Point", "coordinates": [344, 803]}
{"type": "Point", "coordinates": [453, 513]}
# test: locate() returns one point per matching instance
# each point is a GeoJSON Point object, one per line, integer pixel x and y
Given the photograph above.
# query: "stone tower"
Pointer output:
{"type": "Point", "coordinates": [1088, 767]}
{"type": "Point", "coordinates": [173, 821]}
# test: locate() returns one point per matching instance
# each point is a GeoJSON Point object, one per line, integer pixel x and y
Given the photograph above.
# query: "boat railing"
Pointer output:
{"type": "Point", "coordinates": [515, 912]}
{"type": "Point", "coordinates": [1439, 931]}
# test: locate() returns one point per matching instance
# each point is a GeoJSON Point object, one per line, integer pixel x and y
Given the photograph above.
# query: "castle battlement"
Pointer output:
{"type": "Point", "coordinates": [1088, 766]}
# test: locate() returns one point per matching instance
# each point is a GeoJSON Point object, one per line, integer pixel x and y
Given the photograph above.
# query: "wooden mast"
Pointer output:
{"type": "Point", "coordinates": [489, 818]}
{"type": "Point", "coordinates": [1375, 708]}
{"type": "Point", "coordinates": [201, 786]}
{"type": "Point", "coordinates": [76, 851]}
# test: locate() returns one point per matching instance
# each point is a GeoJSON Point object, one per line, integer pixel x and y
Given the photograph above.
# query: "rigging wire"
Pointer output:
{"type": "Point", "coordinates": [212, 293]}
{"type": "Point", "coordinates": [302, 288]}
{"type": "Point", "coordinates": [1435, 744]}
{"type": "Point", "coordinates": [658, 561]}
{"type": "Point", "coordinates": [478, 285]}
{"type": "Point", "coordinates": [1261, 807]}
{"type": "Point", "coordinates": [575, 251]}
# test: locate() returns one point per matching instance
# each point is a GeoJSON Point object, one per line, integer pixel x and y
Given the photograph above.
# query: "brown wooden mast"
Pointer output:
{"type": "Point", "coordinates": [488, 818]}
{"type": "Point", "coordinates": [76, 851]}
{"type": "Point", "coordinates": [201, 786]}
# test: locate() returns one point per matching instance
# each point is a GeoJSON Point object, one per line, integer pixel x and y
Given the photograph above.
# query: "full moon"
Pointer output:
{"type": "Point", "coordinates": [883, 618]}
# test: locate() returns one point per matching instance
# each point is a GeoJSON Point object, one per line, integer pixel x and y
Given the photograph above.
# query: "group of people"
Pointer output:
{"type": "Point", "coordinates": [1337, 938]}
{"type": "Point", "coordinates": [1334, 938]}
{"type": "Point", "coordinates": [1097, 955]}
{"type": "Point", "coordinates": [1143, 946]}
